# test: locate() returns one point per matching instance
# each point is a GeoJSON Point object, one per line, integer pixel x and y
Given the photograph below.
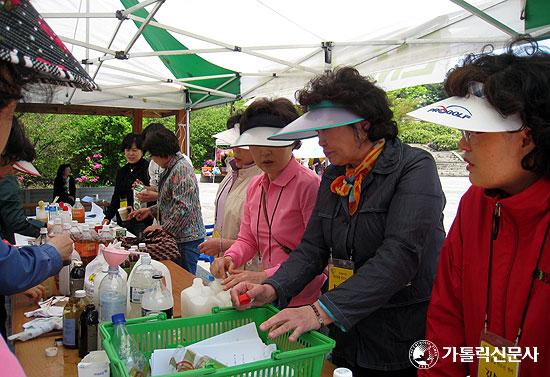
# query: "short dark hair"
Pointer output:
{"type": "Point", "coordinates": [18, 146]}
{"type": "Point", "coordinates": [280, 110]}
{"type": "Point", "coordinates": [151, 127]}
{"type": "Point", "coordinates": [346, 87]}
{"type": "Point", "coordinates": [162, 143]}
{"type": "Point", "coordinates": [233, 120]}
{"type": "Point", "coordinates": [516, 81]}
{"type": "Point", "coordinates": [132, 139]}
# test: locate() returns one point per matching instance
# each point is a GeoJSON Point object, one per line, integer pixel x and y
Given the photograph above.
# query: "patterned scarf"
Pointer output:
{"type": "Point", "coordinates": [350, 184]}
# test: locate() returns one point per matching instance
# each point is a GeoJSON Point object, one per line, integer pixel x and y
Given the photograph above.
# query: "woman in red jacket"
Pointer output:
{"type": "Point", "coordinates": [492, 286]}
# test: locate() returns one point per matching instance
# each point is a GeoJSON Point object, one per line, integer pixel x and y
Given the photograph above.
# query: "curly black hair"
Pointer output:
{"type": "Point", "coordinates": [516, 81]}
{"type": "Point", "coordinates": [346, 87]}
{"type": "Point", "coordinates": [18, 146]}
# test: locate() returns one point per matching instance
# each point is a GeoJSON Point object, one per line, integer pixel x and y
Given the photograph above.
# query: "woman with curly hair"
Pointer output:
{"type": "Point", "coordinates": [493, 278]}
{"type": "Point", "coordinates": [377, 225]}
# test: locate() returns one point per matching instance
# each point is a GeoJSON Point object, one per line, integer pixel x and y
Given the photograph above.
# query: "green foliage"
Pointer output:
{"type": "Point", "coordinates": [444, 142]}
{"type": "Point", "coordinates": [61, 139]}
{"type": "Point", "coordinates": [204, 124]}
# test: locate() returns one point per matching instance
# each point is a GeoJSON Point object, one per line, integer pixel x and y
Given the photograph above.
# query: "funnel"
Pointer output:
{"type": "Point", "coordinates": [115, 257]}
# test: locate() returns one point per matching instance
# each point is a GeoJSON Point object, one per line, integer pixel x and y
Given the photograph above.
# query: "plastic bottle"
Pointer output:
{"type": "Point", "coordinates": [78, 211]}
{"type": "Point", "coordinates": [57, 226]}
{"type": "Point", "coordinates": [43, 238]}
{"type": "Point", "coordinates": [96, 271]}
{"type": "Point", "coordinates": [86, 245]}
{"type": "Point", "coordinates": [105, 236]}
{"type": "Point", "coordinates": [112, 294]}
{"type": "Point", "coordinates": [137, 204]}
{"type": "Point", "coordinates": [127, 349]}
{"type": "Point", "coordinates": [89, 320]}
{"type": "Point", "coordinates": [41, 214]}
{"type": "Point", "coordinates": [64, 275]}
{"type": "Point", "coordinates": [127, 265]}
{"type": "Point", "coordinates": [65, 214]}
{"type": "Point", "coordinates": [139, 282]}
{"type": "Point", "coordinates": [71, 317]}
{"type": "Point", "coordinates": [76, 277]}
{"type": "Point", "coordinates": [158, 299]}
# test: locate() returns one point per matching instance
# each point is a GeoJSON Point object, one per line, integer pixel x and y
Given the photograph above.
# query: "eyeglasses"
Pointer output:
{"type": "Point", "coordinates": [467, 135]}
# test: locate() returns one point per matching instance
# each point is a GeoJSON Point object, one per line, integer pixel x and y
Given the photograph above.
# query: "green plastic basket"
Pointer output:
{"type": "Point", "coordinates": [293, 359]}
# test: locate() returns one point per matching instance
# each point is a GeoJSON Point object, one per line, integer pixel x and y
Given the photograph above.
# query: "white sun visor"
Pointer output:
{"type": "Point", "coordinates": [470, 113]}
{"type": "Point", "coordinates": [316, 119]}
{"type": "Point", "coordinates": [228, 137]}
{"type": "Point", "coordinates": [258, 136]}
{"type": "Point", "coordinates": [26, 167]}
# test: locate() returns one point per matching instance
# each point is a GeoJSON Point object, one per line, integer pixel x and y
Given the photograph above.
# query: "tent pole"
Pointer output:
{"type": "Point", "coordinates": [138, 6]}
{"type": "Point", "coordinates": [137, 121]}
{"type": "Point", "coordinates": [485, 17]}
{"type": "Point", "coordinates": [208, 95]}
{"type": "Point", "coordinates": [88, 45]}
{"type": "Point", "coordinates": [180, 130]}
{"type": "Point", "coordinates": [143, 26]}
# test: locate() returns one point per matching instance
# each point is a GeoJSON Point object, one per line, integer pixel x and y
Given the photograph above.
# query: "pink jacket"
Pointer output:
{"type": "Point", "coordinates": [290, 199]}
{"type": "Point", "coordinates": [9, 366]}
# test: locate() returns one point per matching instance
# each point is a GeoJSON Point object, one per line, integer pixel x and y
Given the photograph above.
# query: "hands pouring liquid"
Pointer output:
{"type": "Point", "coordinates": [224, 268]}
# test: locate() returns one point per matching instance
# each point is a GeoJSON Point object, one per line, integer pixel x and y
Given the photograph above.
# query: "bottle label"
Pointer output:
{"type": "Point", "coordinates": [169, 312]}
{"type": "Point", "coordinates": [136, 294]}
{"type": "Point", "coordinates": [69, 332]}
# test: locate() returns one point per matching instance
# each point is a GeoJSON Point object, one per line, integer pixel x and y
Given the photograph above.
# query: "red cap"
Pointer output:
{"type": "Point", "coordinates": [244, 299]}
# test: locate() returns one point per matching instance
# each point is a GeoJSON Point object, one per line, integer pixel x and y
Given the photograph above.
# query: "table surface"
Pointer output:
{"type": "Point", "coordinates": [31, 353]}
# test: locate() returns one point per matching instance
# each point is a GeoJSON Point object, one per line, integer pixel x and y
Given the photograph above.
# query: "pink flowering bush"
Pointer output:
{"type": "Point", "coordinates": [89, 174]}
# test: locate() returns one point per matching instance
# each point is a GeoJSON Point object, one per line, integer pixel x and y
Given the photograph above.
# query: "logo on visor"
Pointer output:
{"type": "Point", "coordinates": [454, 110]}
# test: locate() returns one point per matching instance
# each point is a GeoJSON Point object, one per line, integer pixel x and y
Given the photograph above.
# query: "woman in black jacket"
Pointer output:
{"type": "Point", "coordinates": [64, 185]}
{"type": "Point", "coordinates": [135, 169]}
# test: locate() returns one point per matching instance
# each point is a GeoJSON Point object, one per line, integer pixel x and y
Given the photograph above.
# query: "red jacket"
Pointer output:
{"type": "Point", "coordinates": [457, 307]}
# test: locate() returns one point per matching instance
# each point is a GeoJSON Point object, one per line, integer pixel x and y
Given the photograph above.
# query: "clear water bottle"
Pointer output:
{"type": "Point", "coordinates": [127, 349]}
{"type": "Point", "coordinates": [141, 282]}
{"type": "Point", "coordinates": [157, 300]}
{"type": "Point", "coordinates": [112, 295]}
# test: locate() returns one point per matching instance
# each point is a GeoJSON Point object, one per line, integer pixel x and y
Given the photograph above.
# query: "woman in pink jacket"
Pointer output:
{"type": "Point", "coordinates": [278, 203]}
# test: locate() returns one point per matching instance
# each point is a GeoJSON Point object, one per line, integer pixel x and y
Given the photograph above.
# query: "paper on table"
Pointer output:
{"type": "Point", "coordinates": [160, 360]}
{"type": "Point", "coordinates": [96, 212]}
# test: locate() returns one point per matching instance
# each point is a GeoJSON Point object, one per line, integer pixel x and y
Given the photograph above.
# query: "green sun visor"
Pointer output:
{"type": "Point", "coordinates": [319, 117]}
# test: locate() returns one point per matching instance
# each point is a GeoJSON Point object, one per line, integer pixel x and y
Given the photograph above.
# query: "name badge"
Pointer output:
{"type": "Point", "coordinates": [497, 362]}
{"type": "Point", "coordinates": [339, 270]}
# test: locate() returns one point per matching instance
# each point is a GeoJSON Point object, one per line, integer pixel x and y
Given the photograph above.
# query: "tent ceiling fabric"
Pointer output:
{"type": "Point", "coordinates": [268, 47]}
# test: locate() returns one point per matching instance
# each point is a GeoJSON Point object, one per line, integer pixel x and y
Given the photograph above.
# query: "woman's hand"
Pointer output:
{"type": "Point", "coordinates": [220, 266]}
{"type": "Point", "coordinates": [147, 196]}
{"type": "Point", "coordinates": [212, 247]}
{"type": "Point", "coordinates": [105, 222]}
{"type": "Point", "coordinates": [260, 294]}
{"type": "Point", "coordinates": [239, 276]}
{"type": "Point", "coordinates": [36, 293]}
{"type": "Point", "coordinates": [298, 320]}
{"type": "Point", "coordinates": [140, 214]}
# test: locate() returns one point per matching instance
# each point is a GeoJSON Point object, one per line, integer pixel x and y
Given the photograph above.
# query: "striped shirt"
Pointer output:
{"type": "Point", "coordinates": [179, 208]}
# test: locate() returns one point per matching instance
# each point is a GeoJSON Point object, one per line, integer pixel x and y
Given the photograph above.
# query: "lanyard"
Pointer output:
{"type": "Point", "coordinates": [495, 228]}
{"type": "Point", "coordinates": [267, 220]}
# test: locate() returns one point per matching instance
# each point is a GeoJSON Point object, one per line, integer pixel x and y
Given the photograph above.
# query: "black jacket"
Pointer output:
{"type": "Point", "coordinates": [66, 194]}
{"type": "Point", "coordinates": [125, 177]}
{"type": "Point", "coordinates": [396, 236]}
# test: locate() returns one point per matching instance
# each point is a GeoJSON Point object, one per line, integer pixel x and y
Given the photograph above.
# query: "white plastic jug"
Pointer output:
{"type": "Point", "coordinates": [64, 280]}
{"type": "Point", "coordinates": [199, 299]}
{"type": "Point", "coordinates": [157, 266]}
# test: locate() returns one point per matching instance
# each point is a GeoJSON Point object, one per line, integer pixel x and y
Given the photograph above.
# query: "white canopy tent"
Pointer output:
{"type": "Point", "coordinates": [267, 47]}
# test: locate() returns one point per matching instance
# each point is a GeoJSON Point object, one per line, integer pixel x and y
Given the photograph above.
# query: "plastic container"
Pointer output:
{"type": "Point", "coordinates": [87, 245]}
{"type": "Point", "coordinates": [71, 318]}
{"type": "Point", "coordinates": [57, 226]}
{"type": "Point", "coordinates": [96, 270]}
{"type": "Point", "coordinates": [64, 278]}
{"type": "Point", "coordinates": [199, 299]}
{"type": "Point", "coordinates": [105, 235]}
{"type": "Point", "coordinates": [158, 266]}
{"type": "Point", "coordinates": [112, 295]}
{"type": "Point", "coordinates": [78, 211]}
{"type": "Point", "coordinates": [158, 299]}
{"type": "Point", "coordinates": [302, 358]}
{"type": "Point", "coordinates": [132, 359]}
{"type": "Point", "coordinates": [76, 277]}
{"type": "Point", "coordinates": [139, 282]}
